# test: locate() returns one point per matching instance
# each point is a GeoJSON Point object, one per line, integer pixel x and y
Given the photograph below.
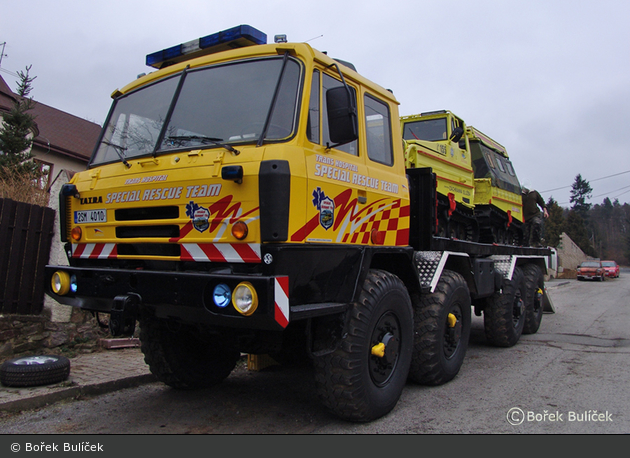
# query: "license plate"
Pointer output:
{"type": "Point", "coordinates": [90, 216]}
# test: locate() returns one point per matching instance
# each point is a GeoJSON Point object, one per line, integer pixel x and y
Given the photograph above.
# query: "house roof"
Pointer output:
{"type": "Point", "coordinates": [62, 132]}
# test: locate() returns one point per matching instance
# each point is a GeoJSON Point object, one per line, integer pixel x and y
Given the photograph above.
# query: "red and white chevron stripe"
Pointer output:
{"type": "Point", "coordinates": [94, 250]}
{"type": "Point", "coordinates": [199, 252]}
{"type": "Point", "coordinates": [221, 252]}
{"type": "Point", "coordinates": [281, 299]}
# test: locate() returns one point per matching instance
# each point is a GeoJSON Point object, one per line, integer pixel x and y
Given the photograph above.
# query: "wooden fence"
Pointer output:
{"type": "Point", "coordinates": [25, 236]}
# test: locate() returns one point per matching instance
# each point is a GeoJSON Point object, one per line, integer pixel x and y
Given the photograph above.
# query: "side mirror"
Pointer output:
{"type": "Point", "coordinates": [457, 134]}
{"type": "Point", "coordinates": [342, 116]}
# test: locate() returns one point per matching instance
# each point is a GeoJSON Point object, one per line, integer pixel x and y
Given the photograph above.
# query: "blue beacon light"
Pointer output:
{"type": "Point", "coordinates": [236, 37]}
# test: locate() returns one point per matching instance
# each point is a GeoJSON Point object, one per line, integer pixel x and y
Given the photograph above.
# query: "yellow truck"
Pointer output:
{"type": "Point", "coordinates": [479, 195]}
{"type": "Point", "coordinates": [247, 197]}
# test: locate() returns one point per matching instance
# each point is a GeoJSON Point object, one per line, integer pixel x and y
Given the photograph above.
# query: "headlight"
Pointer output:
{"type": "Point", "coordinates": [60, 283]}
{"type": "Point", "coordinates": [245, 299]}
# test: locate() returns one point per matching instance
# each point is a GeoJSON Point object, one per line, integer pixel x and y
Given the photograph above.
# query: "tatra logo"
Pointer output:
{"type": "Point", "coordinates": [91, 200]}
{"type": "Point", "coordinates": [199, 215]}
{"type": "Point", "coordinates": [326, 207]}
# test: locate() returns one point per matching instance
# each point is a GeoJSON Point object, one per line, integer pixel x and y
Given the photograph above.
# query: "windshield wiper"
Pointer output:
{"type": "Point", "coordinates": [202, 139]}
{"type": "Point", "coordinates": [120, 150]}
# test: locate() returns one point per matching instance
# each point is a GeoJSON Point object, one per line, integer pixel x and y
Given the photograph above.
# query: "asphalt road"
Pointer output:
{"type": "Point", "coordinates": [569, 378]}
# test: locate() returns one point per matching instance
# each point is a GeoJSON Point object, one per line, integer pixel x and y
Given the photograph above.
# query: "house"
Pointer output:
{"type": "Point", "coordinates": [61, 141]}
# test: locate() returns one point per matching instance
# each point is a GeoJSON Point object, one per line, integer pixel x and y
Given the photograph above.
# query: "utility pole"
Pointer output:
{"type": "Point", "coordinates": [2, 54]}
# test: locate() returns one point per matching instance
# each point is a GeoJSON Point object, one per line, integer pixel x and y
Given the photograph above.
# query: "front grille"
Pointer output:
{"type": "Point", "coordinates": [129, 232]}
{"type": "Point", "coordinates": [146, 213]}
{"type": "Point", "coordinates": [149, 249]}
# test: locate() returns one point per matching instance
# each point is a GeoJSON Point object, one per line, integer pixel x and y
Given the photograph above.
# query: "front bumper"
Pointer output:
{"type": "Point", "coordinates": [590, 275]}
{"type": "Point", "coordinates": [186, 296]}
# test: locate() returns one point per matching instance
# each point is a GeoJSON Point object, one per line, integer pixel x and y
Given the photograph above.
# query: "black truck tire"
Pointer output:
{"type": "Point", "coordinates": [181, 358]}
{"type": "Point", "coordinates": [440, 342]}
{"type": "Point", "coordinates": [363, 379]}
{"type": "Point", "coordinates": [34, 370]}
{"type": "Point", "coordinates": [535, 289]}
{"type": "Point", "coordinates": [504, 313]}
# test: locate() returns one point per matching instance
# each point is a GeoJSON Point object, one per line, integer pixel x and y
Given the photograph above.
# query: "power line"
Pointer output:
{"type": "Point", "coordinates": [610, 192]}
{"type": "Point", "coordinates": [605, 194]}
{"type": "Point", "coordinates": [9, 72]}
{"type": "Point", "coordinates": [596, 179]}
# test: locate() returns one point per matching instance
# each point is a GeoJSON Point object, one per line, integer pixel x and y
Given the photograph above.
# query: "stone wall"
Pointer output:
{"type": "Point", "coordinates": [569, 257]}
{"type": "Point", "coordinates": [28, 334]}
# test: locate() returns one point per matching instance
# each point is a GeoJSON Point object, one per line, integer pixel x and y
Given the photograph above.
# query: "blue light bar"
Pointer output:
{"type": "Point", "coordinates": [236, 37]}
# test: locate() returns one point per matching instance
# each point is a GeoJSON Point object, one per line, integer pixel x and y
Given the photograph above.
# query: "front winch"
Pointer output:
{"type": "Point", "coordinates": [122, 321]}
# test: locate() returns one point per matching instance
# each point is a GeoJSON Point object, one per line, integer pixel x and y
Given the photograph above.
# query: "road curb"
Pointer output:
{"type": "Point", "coordinates": [41, 400]}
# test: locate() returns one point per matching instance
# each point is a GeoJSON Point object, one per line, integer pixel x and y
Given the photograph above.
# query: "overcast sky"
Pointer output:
{"type": "Point", "coordinates": [549, 80]}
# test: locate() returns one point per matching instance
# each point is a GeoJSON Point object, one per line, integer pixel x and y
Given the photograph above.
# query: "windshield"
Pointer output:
{"type": "Point", "coordinates": [590, 264]}
{"type": "Point", "coordinates": [225, 104]}
{"type": "Point", "coordinates": [429, 129]}
{"type": "Point", "coordinates": [608, 264]}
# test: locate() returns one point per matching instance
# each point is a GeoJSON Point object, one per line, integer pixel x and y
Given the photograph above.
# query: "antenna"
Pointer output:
{"type": "Point", "coordinates": [315, 38]}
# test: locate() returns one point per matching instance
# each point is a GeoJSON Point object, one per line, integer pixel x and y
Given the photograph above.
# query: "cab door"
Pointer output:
{"type": "Point", "coordinates": [336, 174]}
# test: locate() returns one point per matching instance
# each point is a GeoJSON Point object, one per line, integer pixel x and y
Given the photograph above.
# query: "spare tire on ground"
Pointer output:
{"type": "Point", "coordinates": [34, 370]}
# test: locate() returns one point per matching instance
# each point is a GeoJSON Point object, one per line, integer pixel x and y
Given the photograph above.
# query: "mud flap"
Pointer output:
{"type": "Point", "coordinates": [547, 303]}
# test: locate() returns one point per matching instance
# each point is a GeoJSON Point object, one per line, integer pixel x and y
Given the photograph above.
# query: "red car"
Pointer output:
{"type": "Point", "coordinates": [591, 269]}
{"type": "Point", "coordinates": [612, 269]}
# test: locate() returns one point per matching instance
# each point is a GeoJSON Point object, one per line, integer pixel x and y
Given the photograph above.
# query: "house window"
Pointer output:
{"type": "Point", "coordinates": [46, 170]}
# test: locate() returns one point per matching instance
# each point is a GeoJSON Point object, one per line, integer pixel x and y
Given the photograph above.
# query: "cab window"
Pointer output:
{"type": "Point", "coordinates": [312, 128]}
{"type": "Point", "coordinates": [378, 131]}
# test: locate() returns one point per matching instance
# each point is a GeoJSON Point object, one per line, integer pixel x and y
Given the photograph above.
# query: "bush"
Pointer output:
{"type": "Point", "coordinates": [21, 188]}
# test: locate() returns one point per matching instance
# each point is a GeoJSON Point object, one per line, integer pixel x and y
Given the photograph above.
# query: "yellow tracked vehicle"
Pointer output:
{"type": "Point", "coordinates": [479, 197]}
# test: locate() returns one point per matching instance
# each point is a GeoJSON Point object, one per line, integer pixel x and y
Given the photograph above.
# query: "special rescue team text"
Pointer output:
{"type": "Point", "coordinates": [164, 193]}
{"type": "Point", "coordinates": [342, 171]}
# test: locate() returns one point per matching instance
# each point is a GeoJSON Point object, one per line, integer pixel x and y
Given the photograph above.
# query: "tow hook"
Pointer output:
{"type": "Point", "coordinates": [122, 320]}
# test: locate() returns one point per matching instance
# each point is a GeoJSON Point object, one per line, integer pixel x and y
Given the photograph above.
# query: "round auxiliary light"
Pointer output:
{"type": "Point", "coordinates": [60, 283]}
{"type": "Point", "coordinates": [73, 283]}
{"type": "Point", "coordinates": [245, 299]}
{"type": "Point", "coordinates": [76, 233]}
{"type": "Point", "coordinates": [240, 230]}
{"type": "Point", "coordinates": [222, 295]}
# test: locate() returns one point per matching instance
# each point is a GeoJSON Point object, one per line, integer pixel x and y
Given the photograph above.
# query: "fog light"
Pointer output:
{"type": "Point", "coordinates": [60, 283]}
{"type": "Point", "coordinates": [245, 299]}
{"type": "Point", "coordinates": [222, 295]}
{"type": "Point", "coordinates": [240, 230]}
{"type": "Point", "coordinates": [76, 233]}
